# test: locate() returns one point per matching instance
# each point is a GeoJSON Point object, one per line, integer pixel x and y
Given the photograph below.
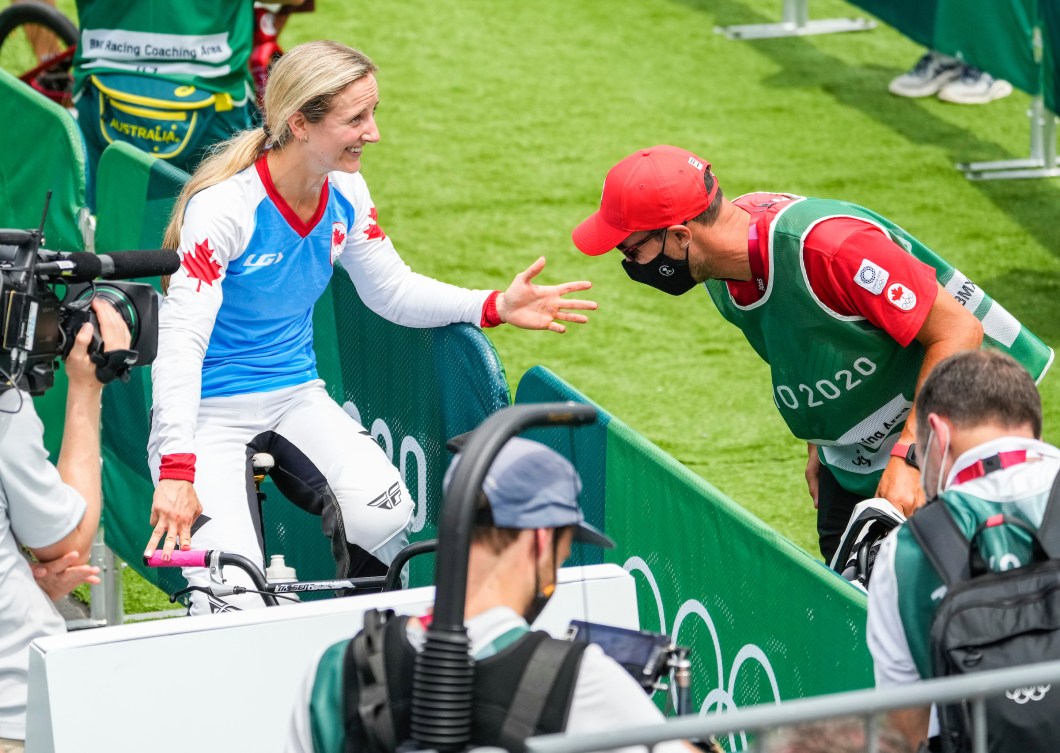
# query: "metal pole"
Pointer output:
{"type": "Point", "coordinates": [979, 725]}
{"type": "Point", "coordinates": [797, 13]}
{"type": "Point", "coordinates": [795, 22]}
{"type": "Point", "coordinates": [1041, 163]}
{"type": "Point", "coordinates": [99, 594]}
{"type": "Point", "coordinates": [1042, 160]}
{"type": "Point", "coordinates": [112, 581]}
{"type": "Point", "coordinates": [107, 605]}
{"type": "Point", "coordinates": [872, 734]}
{"type": "Point", "coordinates": [770, 716]}
{"type": "Point", "coordinates": [1043, 133]}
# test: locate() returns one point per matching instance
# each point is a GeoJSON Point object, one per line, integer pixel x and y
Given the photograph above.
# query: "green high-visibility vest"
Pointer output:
{"type": "Point", "coordinates": [839, 381]}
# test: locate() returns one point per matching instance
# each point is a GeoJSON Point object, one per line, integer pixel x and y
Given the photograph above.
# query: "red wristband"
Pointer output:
{"type": "Point", "coordinates": [906, 452]}
{"type": "Point", "coordinates": [490, 317]}
{"type": "Point", "coordinates": [179, 466]}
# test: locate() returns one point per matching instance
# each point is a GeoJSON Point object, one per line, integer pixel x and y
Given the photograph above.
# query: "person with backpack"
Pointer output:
{"type": "Point", "coordinates": [942, 600]}
{"type": "Point", "coordinates": [528, 516]}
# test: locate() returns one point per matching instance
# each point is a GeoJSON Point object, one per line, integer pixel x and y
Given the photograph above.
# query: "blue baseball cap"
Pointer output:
{"type": "Point", "coordinates": [532, 486]}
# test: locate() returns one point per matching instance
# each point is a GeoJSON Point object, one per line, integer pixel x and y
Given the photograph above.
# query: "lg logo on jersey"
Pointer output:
{"type": "Point", "coordinates": [262, 260]}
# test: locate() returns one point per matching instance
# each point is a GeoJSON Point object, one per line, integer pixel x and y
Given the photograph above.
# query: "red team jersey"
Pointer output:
{"type": "Point", "coordinates": [835, 250]}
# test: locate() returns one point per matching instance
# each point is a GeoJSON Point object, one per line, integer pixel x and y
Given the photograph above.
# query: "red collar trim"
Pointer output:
{"type": "Point", "coordinates": [993, 463]}
{"type": "Point", "coordinates": [302, 228]}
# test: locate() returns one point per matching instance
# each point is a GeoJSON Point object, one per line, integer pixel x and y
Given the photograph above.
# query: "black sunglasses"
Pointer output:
{"type": "Point", "coordinates": [630, 251]}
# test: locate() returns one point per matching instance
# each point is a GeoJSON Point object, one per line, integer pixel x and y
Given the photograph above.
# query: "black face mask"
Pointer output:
{"type": "Point", "coordinates": [671, 276]}
{"type": "Point", "coordinates": [537, 606]}
{"type": "Point", "coordinates": [541, 595]}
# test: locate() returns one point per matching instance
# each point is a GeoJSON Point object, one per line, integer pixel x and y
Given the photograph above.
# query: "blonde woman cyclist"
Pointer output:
{"type": "Point", "coordinates": [260, 227]}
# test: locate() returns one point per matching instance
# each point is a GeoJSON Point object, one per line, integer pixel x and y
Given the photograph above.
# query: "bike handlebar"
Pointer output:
{"type": "Point", "coordinates": [192, 558]}
{"type": "Point", "coordinates": [267, 591]}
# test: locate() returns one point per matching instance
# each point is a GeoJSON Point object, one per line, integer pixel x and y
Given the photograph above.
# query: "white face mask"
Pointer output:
{"type": "Point", "coordinates": [939, 480]}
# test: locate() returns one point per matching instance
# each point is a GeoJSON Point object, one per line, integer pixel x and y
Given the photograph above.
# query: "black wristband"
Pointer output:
{"type": "Point", "coordinates": [113, 364]}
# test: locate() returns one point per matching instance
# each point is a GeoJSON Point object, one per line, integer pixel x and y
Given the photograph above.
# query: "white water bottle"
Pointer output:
{"type": "Point", "coordinates": [279, 571]}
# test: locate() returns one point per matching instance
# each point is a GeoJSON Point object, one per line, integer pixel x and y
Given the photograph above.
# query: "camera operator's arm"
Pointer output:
{"type": "Point", "coordinates": [607, 698]}
{"type": "Point", "coordinates": [78, 464]}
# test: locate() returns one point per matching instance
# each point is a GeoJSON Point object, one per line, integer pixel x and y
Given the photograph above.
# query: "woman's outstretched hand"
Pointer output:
{"type": "Point", "coordinates": [531, 306]}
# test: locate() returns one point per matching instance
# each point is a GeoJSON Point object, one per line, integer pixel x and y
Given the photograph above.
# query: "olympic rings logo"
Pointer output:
{"type": "Point", "coordinates": [1025, 695]}
{"type": "Point", "coordinates": [720, 698]}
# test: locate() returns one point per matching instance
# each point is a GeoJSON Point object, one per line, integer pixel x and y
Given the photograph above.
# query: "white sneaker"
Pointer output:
{"type": "Point", "coordinates": [932, 72]}
{"type": "Point", "coordinates": [974, 87]}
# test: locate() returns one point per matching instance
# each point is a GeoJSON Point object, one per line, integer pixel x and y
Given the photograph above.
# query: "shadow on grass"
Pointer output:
{"type": "Point", "coordinates": [1031, 203]}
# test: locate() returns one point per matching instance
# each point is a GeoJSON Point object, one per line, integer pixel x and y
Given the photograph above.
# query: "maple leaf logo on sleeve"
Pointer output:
{"type": "Point", "coordinates": [373, 230]}
{"type": "Point", "coordinates": [201, 265]}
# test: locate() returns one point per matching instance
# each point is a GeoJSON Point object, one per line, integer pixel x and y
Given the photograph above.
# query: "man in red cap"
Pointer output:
{"type": "Point", "coordinates": [843, 304]}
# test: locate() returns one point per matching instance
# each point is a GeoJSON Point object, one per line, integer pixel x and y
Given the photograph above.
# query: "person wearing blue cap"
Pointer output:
{"type": "Point", "coordinates": [528, 516]}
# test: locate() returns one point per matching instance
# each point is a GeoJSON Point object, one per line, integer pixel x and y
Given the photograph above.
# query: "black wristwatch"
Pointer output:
{"type": "Point", "coordinates": [906, 452]}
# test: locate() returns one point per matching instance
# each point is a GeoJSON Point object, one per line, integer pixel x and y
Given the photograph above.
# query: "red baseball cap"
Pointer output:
{"type": "Point", "coordinates": [650, 189]}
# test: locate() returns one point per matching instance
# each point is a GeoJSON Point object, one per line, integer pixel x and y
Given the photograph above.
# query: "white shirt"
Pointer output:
{"type": "Point", "coordinates": [36, 510]}
{"type": "Point", "coordinates": [606, 697]}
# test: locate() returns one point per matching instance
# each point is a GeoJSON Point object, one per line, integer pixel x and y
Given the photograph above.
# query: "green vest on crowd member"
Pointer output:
{"type": "Point", "coordinates": [839, 381]}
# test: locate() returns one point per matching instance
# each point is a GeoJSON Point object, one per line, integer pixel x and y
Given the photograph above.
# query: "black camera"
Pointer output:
{"type": "Point", "coordinates": [37, 326]}
{"type": "Point", "coordinates": [641, 653]}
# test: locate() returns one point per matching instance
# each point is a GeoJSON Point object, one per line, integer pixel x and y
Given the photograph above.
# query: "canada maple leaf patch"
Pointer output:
{"type": "Point", "coordinates": [201, 265]}
{"type": "Point", "coordinates": [373, 230]}
{"type": "Point", "coordinates": [901, 297]}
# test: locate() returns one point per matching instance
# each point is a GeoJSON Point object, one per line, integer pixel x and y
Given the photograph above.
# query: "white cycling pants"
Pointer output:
{"type": "Point", "coordinates": [372, 502]}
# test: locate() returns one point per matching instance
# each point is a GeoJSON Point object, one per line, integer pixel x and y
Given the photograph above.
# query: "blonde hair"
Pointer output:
{"type": "Point", "coordinates": [304, 80]}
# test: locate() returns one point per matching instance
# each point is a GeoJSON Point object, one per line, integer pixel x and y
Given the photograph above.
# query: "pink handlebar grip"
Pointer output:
{"type": "Point", "coordinates": [193, 558]}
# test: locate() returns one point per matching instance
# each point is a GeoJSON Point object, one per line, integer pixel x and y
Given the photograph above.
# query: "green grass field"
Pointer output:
{"type": "Point", "coordinates": [500, 119]}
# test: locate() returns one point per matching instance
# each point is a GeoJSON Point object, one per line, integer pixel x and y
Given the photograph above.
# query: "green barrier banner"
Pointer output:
{"type": "Point", "coordinates": [766, 622]}
{"type": "Point", "coordinates": [134, 197]}
{"type": "Point", "coordinates": [43, 151]}
{"type": "Point", "coordinates": [1050, 26]}
{"type": "Point", "coordinates": [1012, 39]}
{"type": "Point", "coordinates": [585, 446]}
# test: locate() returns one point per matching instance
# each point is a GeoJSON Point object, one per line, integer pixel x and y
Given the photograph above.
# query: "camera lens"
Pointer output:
{"type": "Point", "coordinates": [118, 300]}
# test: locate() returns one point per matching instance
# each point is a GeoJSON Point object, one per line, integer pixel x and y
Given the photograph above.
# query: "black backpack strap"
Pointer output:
{"type": "Point", "coordinates": [942, 542]}
{"type": "Point", "coordinates": [364, 662]}
{"type": "Point", "coordinates": [1049, 530]}
{"type": "Point", "coordinates": [535, 687]}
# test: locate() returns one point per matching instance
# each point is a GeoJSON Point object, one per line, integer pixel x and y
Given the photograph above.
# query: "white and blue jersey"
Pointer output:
{"type": "Point", "coordinates": [262, 339]}
{"type": "Point", "coordinates": [238, 315]}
